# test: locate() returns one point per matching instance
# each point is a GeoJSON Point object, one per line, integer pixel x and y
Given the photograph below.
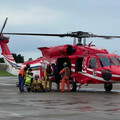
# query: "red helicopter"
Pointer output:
{"type": "Point", "coordinates": [88, 64]}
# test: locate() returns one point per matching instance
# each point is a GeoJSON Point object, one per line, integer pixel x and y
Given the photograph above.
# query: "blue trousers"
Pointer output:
{"type": "Point", "coordinates": [21, 83]}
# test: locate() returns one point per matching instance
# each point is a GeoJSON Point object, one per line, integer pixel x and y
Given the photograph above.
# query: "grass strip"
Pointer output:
{"type": "Point", "coordinates": [5, 73]}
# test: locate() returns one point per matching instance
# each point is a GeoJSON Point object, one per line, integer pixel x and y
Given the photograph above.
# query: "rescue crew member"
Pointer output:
{"type": "Point", "coordinates": [28, 81]}
{"type": "Point", "coordinates": [37, 84]}
{"type": "Point", "coordinates": [21, 77]}
{"type": "Point", "coordinates": [28, 72]}
{"type": "Point", "coordinates": [48, 74]}
{"type": "Point", "coordinates": [65, 74]}
{"type": "Point", "coordinates": [57, 77]}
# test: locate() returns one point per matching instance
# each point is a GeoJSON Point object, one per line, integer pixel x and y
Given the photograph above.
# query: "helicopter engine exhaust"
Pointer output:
{"type": "Point", "coordinates": [70, 49]}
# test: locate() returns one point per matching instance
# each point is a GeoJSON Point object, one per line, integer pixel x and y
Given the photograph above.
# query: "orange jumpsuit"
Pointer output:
{"type": "Point", "coordinates": [65, 73]}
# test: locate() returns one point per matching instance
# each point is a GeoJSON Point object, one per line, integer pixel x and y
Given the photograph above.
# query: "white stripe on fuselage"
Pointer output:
{"type": "Point", "coordinates": [113, 75]}
{"type": "Point", "coordinates": [9, 56]}
{"type": "Point", "coordinates": [36, 65]}
{"type": "Point", "coordinates": [95, 77]}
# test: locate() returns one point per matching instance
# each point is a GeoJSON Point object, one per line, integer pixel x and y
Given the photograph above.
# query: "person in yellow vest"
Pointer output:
{"type": "Point", "coordinates": [48, 74]}
{"type": "Point", "coordinates": [28, 81]}
{"type": "Point", "coordinates": [28, 72]}
{"type": "Point", "coordinates": [21, 77]}
{"type": "Point", "coordinates": [37, 84]}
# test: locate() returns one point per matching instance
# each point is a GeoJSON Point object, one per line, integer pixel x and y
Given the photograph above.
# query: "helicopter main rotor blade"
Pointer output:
{"type": "Point", "coordinates": [37, 34]}
{"type": "Point", "coordinates": [78, 34]}
{"type": "Point", "coordinates": [105, 36]}
{"type": "Point", "coordinates": [3, 26]}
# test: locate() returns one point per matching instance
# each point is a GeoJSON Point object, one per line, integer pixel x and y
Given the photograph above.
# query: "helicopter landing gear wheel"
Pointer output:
{"type": "Point", "coordinates": [73, 86]}
{"type": "Point", "coordinates": [108, 87]}
{"type": "Point", "coordinates": [17, 84]}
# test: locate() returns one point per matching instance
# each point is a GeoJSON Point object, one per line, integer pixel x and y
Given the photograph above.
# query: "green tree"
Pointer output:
{"type": "Point", "coordinates": [30, 59]}
{"type": "Point", "coordinates": [18, 58]}
{"type": "Point", "coordinates": [2, 60]}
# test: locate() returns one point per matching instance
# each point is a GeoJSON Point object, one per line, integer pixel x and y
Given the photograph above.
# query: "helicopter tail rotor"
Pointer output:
{"type": "Point", "coordinates": [1, 32]}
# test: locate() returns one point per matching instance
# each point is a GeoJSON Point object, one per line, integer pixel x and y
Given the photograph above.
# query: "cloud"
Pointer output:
{"type": "Point", "coordinates": [31, 54]}
{"type": "Point", "coordinates": [31, 15]}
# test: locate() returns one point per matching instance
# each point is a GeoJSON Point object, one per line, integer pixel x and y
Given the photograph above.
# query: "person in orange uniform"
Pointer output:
{"type": "Point", "coordinates": [65, 74]}
{"type": "Point", "coordinates": [21, 77]}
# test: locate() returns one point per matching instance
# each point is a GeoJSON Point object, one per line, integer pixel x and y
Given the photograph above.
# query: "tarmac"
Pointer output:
{"type": "Point", "coordinates": [88, 103]}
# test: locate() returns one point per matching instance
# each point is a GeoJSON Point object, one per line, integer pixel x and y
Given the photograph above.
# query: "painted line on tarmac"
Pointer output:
{"type": "Point", "coordinates": [10, 113]}
{"type": "Point", "coordinates": [97, 90]}
{"type": "Point", "coordinates": [7, 84]}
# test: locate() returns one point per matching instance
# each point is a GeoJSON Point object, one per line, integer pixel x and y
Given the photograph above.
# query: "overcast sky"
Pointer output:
{"type": "Point", "coordinates": [100, 17]}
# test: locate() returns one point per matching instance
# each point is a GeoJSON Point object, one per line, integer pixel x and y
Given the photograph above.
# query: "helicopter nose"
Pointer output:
{"type": "Point", "coordinates": [106, 74]}
{"type": "Point", "coordinates": [113, 73]}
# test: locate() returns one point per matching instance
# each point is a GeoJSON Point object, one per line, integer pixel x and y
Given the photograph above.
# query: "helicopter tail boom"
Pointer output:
{"type": "Point", "coordinates": [5, 51]}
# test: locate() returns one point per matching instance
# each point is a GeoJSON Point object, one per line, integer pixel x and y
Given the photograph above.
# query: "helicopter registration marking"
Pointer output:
{"type": "Point", "coordinates": [94, 73]}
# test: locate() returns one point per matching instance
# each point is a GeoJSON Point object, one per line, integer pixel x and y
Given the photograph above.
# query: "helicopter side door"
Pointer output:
{"type": "Point", "coordinates": [77, 74]}
{"type": "Point", "coordinates": [93, 69]}
{"type": "Point", "coordinates": [78, 64]}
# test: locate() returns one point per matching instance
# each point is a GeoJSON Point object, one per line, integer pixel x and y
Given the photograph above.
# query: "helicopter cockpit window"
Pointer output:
{"type": "Point", "coordinates": [118, 58]}
{"type": "Point", "coordinates": [105, 61]}
{"type": "Point", "coordinates": [93, 63]}
{"type": "Point", "coordinates": [115, 61]}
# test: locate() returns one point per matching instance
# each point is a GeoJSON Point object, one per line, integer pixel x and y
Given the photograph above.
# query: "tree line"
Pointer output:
{"type": "Point", "coordinates": [18, 58]}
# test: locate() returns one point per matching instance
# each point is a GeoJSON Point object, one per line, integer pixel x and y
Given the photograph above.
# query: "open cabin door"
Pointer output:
{"type": "Point", "coordinates": [78, 64]}
{"type": "Point", "coordinates": [60, 62]}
